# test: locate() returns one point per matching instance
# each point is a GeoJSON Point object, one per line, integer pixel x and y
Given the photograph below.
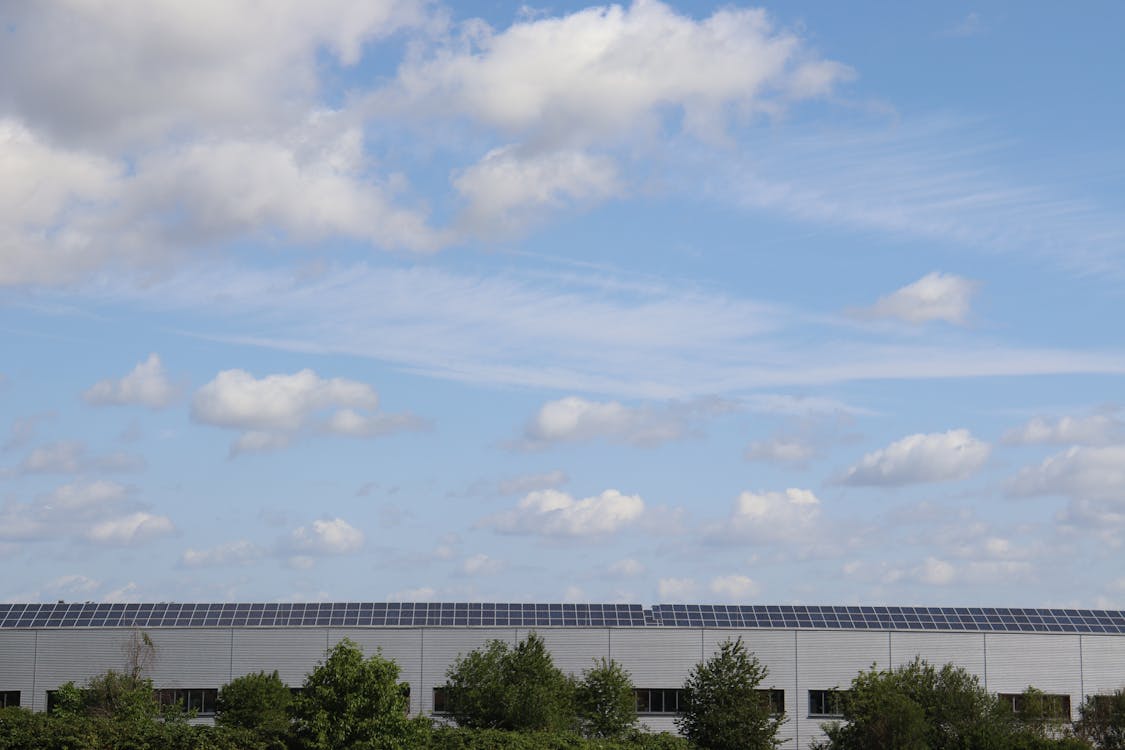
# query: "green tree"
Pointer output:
{"type": "Point", "coordinates": [721, 707]}
{"type": "Point", "coordinates": [920, 706]}
{"type": "Point", "coordinates": [1102, 720]}
{"type": "Point", "coordinates": [118, 695]}
{"type": "Point", "coordinates": [353, 702]}
{"type": "Point", "coordinates": [605, 701]}
{"type": "Point", "coordinates": [256, 702]}
{"type": "Point", "coordinates": [514, 688]}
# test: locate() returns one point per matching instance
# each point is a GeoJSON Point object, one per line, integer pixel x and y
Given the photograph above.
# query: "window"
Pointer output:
{"type": "Point", "coordinates": [9, 698]}
{"type": "Point", "coordinates": [658, 700]}
{"type": "Point", "coordinates": [199, 700]}
{"type": "Point", "coordinates": [1054, 707]}
{"type": "Point", "coordinates": [826, 702]}
{"type": "Point", "coordinates": [441, 701]}
{"type": "Point", "coordinates": [775, 699]}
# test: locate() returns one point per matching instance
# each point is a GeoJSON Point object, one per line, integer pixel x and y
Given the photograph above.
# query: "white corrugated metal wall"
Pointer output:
{"type": "Point", "coordinates": [36, 661]}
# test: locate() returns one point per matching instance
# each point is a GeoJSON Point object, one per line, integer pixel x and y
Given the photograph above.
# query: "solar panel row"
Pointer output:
{"type": "Point", "coordinates": [392, 614]}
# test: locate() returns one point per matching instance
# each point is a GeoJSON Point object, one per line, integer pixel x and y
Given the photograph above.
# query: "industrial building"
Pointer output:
{"type": "Point", "coordinates": [810, 651]}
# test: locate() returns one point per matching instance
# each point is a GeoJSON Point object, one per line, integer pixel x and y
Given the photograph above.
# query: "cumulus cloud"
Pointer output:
{"type": "Point", "coordinates": [504, 191]}
{"type": "Point", "coordinates": [1080, 472]}
{"type": "Point", "coordinates": [326, 537]}
{"type": "Point", "coordinates": [934, 457]}
{"type": "Point", "coordinates": [771, 517]}
{"type": "Point", "coordinates": [1096, 429]}
{"type": "Point", "coordinates": [935, 296]}
{"type": "Point", "coordinates": [574, 419]}
{"type": "Point", "coordinates": [555, 513]}
{"type": "Point", "coordinates": [592, 73]}
{"type": "Point", "coordinates": [530, 482]}
{"type": "Point", "coordinates": [780, 450]}
{"type": "Point", "coordinates": [134, 528]}
{"type": "Point", "coordinates": [146, 384]}
{"type": "Point", "coordinates": [272, 410]}
{"type": "Point", "coordinates": [626, 568]}
{"type": "Point", "coordinates": [734, 588]}
{"type": "Point", "coordinates": [232, 553]}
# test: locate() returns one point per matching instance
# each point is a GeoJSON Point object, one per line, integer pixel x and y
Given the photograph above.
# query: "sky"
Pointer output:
{"type": "Point", "coordinates": [813, 303]}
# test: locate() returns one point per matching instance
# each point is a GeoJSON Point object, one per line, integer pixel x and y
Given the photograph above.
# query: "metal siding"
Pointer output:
{"type": "Point", "coordinates": [1050, 663]}
{"type": "Point", "coordinates": [190, 658]}
{"type": "Point", "coordinates": [657, 658]}
{"type": "Point", "coordinates": [828, 660]}
{"type": "Point", "coordinates": [403, 645]}
{"type": "Point", "coordinates": [441, 649]}
{"type": "Point", "coordinates": [1103, 664]}
{"type": "Point", "coordinates": [572, 649]}
{"type": "Point", "coordinates": [76, 655]}
{"type": "Point", "coordinates": [964, 650]}
{"type": "Point", "coordinates": [17, 663]}
{"type": "Point", "coordinates": [293, 652]}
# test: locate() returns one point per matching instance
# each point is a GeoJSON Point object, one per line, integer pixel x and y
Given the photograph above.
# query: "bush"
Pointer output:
{"type": "Point", "coordinates": [605, 701]}
{"type": "Point", "coordinates": [258, 703]}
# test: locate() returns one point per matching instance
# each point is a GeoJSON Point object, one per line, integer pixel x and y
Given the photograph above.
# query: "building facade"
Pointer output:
{"type": "Point", "coordinates": [810, 652]}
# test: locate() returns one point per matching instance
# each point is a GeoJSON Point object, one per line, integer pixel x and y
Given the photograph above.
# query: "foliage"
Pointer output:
{"type": "Point", "coordinates": [460, 738]}
{"type": "Point", "coordinates": [920, 707]}
{"type": "Point", "coordinates": [721, 707]}
{"type": "Point", "coordinates": [353, 702]}
{"type": "Point", "coordinates": [1038, 713]}
{"type": "Point", "coordinates": [121, 696]}
{"type": "Point", "coordinates": [1102, 720]}
{"type": "Point", "coordinates": [515, 688]}
{"type": "Point", "coordinates": [256, 702]}
{"type": "Point", "coordinates": [604, 700]}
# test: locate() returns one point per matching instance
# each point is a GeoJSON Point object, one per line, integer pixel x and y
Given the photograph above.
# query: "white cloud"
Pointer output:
{"type": "Point", "coordinates": [272, 410]}
{"type": "Point", "coordinates": [326, 537]}
{"type": "Point", "coordinates": [593, 73]}
{"type": "Point", "coordinates": [934, 457]}
{"type": "Point", "coordinates": [130, 592]}
{"type": "Point", "coordinates": [772, 517]}
{"type": "Point", "coordinates": [1089, 473]}
{"type": "Point", "coordinates": [935, 296]}
{"type": "Point", "coordinates": [1096, 429]}
{"type": "Point", "coordinates": [936, 572]}
{"type": "Point", "coordinates": [780, 450]}
{"type": "Point", "coordinates": [734, 588]}
{"type": "Point", "coordinates": [505, 190]}
{"type": "Point", "coordinates": [232, 553]}
{"type": "Point", "coordinates": [627, 568]}
{"type": "Point", "coordinates": [147, 384]}
{"type": "Point", "coordinates": [142, 68]}
{"type": "Point", "coordinates": [421, 594]}
{"type": "Point", "coordinates": [72, 584]}
{"type": "Point", "coordinates": [575, 419]}
{"type": "Point", "coordinates": [481, 565]}
{"type": "Point", "coordinates": [134, 528]}
{"type": "Point", "coordinates": [673, 590]}
{"type": "Point", "coordinates": [555, 513]}
{"type": "Point", "coordinates": [72, 457]}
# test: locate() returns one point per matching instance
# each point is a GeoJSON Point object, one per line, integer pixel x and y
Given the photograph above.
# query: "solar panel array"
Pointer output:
{"type": "Point", "coordinates": [391, 614]}
{"type": "Point", "coordinates": [406, 614]}
{"type": "Point", "coordinates": [892, 618]}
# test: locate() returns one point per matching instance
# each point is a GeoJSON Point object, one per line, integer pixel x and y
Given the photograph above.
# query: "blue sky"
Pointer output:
{"type": "Point", "coordinates": [805, 303]}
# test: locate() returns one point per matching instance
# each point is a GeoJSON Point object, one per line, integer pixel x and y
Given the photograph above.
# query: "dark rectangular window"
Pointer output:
{"type": "Point", "coordinates": [1054, 707]}
{"type": "Point", "coordinates": [826, 703]}
{"type": "Point", "coordinates": [199, 700]}
{"type": "Point", "coordinates": [658, 700]}
{"type": "Point", "coordinates": [441, 701]}
{"type": "Point", "coordinates": [775, 699]}
{"type": "Point", "coordinates": [9, 698]}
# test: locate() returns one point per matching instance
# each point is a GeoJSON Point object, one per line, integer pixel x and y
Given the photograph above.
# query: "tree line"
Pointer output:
{"type": "Point", "coordinates": [513, 697]}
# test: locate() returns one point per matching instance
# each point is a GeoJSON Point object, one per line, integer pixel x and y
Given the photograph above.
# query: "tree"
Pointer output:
{"type": "Point", "coordinates": [1102, 720]}
{"type": "Point", "coordinates": [256, 702]}
{"type": "Point", "coordinates": [604, 700]}
{"type": "Point", "coordinates": [515, 688]}
{"type": "Point", "coordinates": [353, 702]}
{"type": "Point", "coordinates": [919, 706]}
{"type": "Point", "coordinates": [721, 706]}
